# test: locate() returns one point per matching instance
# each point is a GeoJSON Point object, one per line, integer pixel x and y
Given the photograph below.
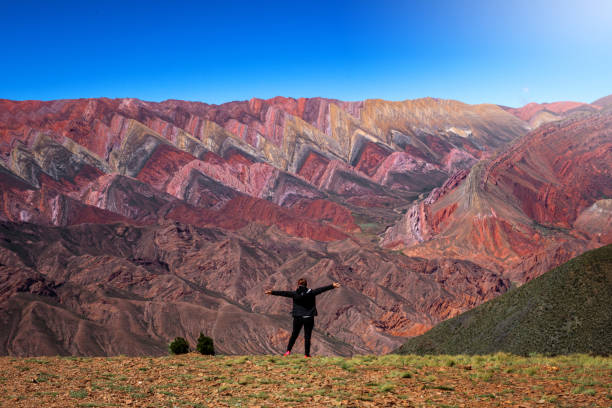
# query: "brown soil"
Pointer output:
{"type": "Point", "coordinates": [257, 381]}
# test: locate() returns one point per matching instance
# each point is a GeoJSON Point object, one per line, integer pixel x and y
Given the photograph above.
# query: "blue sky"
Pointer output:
{"type": "Point", "coordinates": [506, 52]}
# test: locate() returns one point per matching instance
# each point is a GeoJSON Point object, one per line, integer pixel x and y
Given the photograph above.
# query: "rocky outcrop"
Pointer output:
{"type": "Point", "coordinates": [596, 221]}
{"type": "Point", "coordinates": [96, 289]}
{"type": "Point", "coordinates": [540, 202]}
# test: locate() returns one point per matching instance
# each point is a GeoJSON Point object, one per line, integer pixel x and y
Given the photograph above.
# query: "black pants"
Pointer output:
{"type": "Point", "coordinates": [298, 322]}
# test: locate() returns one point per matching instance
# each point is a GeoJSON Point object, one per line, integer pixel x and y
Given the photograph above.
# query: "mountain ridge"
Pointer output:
{"type": "Point", "coordinates": [524, 203]}
{"type": "Point", "coordinates": [254, 194]}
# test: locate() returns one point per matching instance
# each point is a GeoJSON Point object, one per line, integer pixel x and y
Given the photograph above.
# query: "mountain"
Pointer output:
{"type": "Point", "coordinates": [105, 289]}
{"type": "Point", "coordinates": [566, 310]}
{"type": "Point", "coordinates": [281, 153]}
{"type": "Point", "coordinates": [604, 102]}
{"type": "Point", "coordinates": [541, 201]}
{"type": "Point", "coordinates": [537, 114]}
{"type": "Point", "coordinates": [125, 223]}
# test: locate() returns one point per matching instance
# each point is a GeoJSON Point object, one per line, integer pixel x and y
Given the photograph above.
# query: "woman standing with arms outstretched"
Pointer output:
{"type": "Point", "coordinates": [304, 311]}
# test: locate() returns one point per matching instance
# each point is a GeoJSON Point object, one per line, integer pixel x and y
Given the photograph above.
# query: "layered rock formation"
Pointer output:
{"type": "Point", "coordinates": [537, 114]}
{"type": "Point", "coordinates": [126, 223]}
{"type": "Point", "coordinates": [99, 289]}
{"type": "Point", "coordinates": [350, 142]}
{"type": "Point", "coordinates": [524, 211]}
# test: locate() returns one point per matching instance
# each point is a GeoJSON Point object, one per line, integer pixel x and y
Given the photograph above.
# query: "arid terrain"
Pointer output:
{"type": "Point", "coordinates": [126, 223]}
{"type": "Point", "coordinates": [306, 204]}
{"type": "Point", "coordinates": [192, 380]}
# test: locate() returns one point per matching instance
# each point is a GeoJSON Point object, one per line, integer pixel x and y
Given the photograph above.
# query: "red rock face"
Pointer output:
{"type": "Point", "coordinates": [544, 192]}
{"type": "Point", "coordinates": [328, 211]}
{"type": "Point", "coordinates": [266, 213]}
{"type": "Point", "coordinates": [371, 157]}
{"type": "Point", "coordinates": [163, 165]}
{"type": "Point", "coordinates": [313, 168]}
{"type": "Point", "coordinates": [172, 218]}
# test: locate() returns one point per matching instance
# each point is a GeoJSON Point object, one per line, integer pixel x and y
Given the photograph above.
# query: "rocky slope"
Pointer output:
{"type": "Point", "coordinates": [126, 223]}
{"type": "Point", "coordinates": [604, 102]}
{"type": "Point", "coordinates": [232, 164]}
{"type": "Point", "coordinates": [534, 206]}
{"type": "Point", "coordinates": [537, 114]}
{"type": "Point", "coordinates": [97, 289]}
{"type": "Point", "coordinates": [564, 311]}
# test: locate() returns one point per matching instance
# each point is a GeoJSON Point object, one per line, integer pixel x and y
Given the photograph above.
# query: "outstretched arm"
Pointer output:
{"type": "Point", "coordinates": [284, 293]}
{"type": "Point", "coordinates": [322, 289]}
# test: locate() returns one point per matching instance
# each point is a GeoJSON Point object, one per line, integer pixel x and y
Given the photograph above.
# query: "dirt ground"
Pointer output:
{"type": "Point", "coordinates": [194, 380]}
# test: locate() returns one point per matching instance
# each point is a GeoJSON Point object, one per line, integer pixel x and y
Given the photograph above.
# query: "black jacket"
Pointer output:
{"type": "Point", "coordinates": [304, 303]}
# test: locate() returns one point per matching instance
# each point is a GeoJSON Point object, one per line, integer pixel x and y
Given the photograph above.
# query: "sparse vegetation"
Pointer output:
{"type": "Point", "coordinates": [78, 394]}
{"type": "Point", "coordinates": [398, 380]}
{"type": "Point", "coordinates": [387, 387]}
{"type": "Point", "coordinates": [44, 377]}
{"type": "Point", "coordinates": [179, 346]}
{"type": "Point", "coordinates": [205, 345]}
{"type": "Point", "coordinates": [566, 310]}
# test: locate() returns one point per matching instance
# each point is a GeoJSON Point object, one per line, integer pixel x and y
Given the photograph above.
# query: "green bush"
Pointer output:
{"type": "Point", "coordinates": [179, 346]}
{"type": "Point", "coordinates": [205, 345]}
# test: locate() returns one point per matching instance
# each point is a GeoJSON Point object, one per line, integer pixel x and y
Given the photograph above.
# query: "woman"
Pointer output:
{"type": "Point", "coordinates": [304, 311]}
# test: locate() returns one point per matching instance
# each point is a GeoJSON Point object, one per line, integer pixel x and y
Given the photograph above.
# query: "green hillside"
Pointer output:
{"type": "Point", "coordinates": [566, 310]}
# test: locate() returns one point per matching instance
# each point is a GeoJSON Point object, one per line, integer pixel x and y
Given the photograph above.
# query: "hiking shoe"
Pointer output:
{"type": "Point", "coordinates": [287, 353]}
{"type": "Point", "coordinates": [306, 356]}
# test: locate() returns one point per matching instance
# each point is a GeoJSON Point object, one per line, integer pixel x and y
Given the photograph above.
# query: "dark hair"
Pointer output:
{"type": "Point", "coordinates": [302, 282]}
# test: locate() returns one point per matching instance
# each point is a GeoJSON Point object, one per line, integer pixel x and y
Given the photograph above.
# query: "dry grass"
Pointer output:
{"type": "Point", "coordinates": [249, 381]}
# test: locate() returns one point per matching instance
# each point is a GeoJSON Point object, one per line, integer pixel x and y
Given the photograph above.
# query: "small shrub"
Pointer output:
{"type": "Point", "coordinates": [179, 346]}
{"type": "Point", "coordinates": [205, 345]}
